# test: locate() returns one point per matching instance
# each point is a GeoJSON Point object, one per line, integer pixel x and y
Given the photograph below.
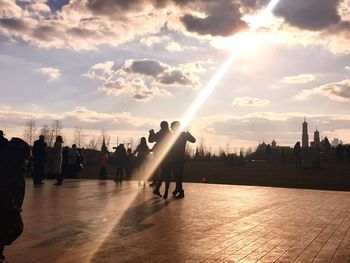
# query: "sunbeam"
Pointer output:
{"type": "Point", "coordinates": [150, 167]}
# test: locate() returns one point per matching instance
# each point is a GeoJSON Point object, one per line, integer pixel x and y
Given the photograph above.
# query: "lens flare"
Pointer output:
{"type": "Point", "coordinates": [149, 168]}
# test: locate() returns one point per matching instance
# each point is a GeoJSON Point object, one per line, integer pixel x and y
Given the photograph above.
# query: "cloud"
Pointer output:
{"type": "Point", "coordinates": [250, 102]}
{"type": "Point", "coordinates": [100, 71]}
{"type": "Point", "coordinates": [255, 127]}
{"type": "Point", "coordinates": [78, 116]}
{"type": "Point", "coordinates": [135, 86]}
{"type": "Point", "coordinates": [162, 73]}
{"type": "Point", "coordinates": [299, 79]}
{"type": "Point", "coordinates": [86, 25]}
{"type": "Point", "coordinates": [221, 18]}
{"type": "Point", "coordinates": [147, 78]}
{"type": "Point", "coordinates": [161, 42]}
{"type": "Point", "coordinates": [174, 47]}
{"type": "Point", "coordinates": [337, 91]}
{"type": "Point", "coordinates": [52, 73]}
{"type": "Point", "coordinates": [311, 15]}
{"type": "Point", "coordinates": [285, 128]}
{"type": "Point", "coordinates": [148, 67]}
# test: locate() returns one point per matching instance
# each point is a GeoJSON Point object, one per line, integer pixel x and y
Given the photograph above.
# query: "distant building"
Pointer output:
{"type": "Point", "coordinates": [305, 136]}
{"type": "Point", "coordinates": [316, 144]}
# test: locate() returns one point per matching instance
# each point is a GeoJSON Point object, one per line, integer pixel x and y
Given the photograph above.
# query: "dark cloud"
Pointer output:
{"type": "Point", "coordinates": [13, 24]}
{"type": "Point", "coordinates": [309, 14]}
{"type": "Point", "coordinates": [175, 76]}
{"type": "Point", "coordinates": [146, 67]}
{"type": "Point", "coordinates": [143, 95]}
{"type": "Point", "coordinates": [115, 7]}
{"type": "Point", "coordinates": [223, 19]}
{"type": "Point", "coordinates": [254, 4]}
{"type": "Point", "coordinates": [161, 73]}
{"type": "Point", "coordinates": [46, 33]}
{"type": "Point", "coordinates": [337, 91]}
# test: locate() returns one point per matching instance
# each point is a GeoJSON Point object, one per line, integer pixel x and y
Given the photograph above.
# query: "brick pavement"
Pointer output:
{"type": "Point", "coordinates": [98, 221]}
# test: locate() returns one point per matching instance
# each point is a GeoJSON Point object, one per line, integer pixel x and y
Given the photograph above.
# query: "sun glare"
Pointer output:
{"type": "Point", "coordinates": [243, 43]}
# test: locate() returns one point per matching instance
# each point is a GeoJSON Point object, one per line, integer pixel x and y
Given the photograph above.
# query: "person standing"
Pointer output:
{"type": "Point", "coordinates": [57, 159]}
{"type": "Point", "coordinates": [121, 158]}
{"type": "Point", "coordinates": [12, 189]}
{"type": "Point", "coordinates": [177, 156]}
{"type": "Point", "coordinates": [103, 175]}
{"type": "Point", "coordinates": [142, 151]}
{"type": "Point", "coordinates": [161, 138]}
{"type": "Point", "coordinates": [39, 159]}
{"type": "Point", "coordinates": [129, 167]}
{"type": "Point", "coordinates": [73, 157]}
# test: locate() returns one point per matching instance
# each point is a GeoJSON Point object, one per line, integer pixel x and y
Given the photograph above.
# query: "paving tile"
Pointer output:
{"type": "Point", "coordinates": [98, 221]}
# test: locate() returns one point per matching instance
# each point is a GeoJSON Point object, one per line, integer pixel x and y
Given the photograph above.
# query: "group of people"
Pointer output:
{"type": "Point", "coordinates": [63, 161]}
{"type": "Point", "coordinates": [168, 159]}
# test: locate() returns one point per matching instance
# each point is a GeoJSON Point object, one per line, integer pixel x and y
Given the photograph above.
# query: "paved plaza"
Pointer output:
{"type": "Point", "coordinates": [99, 221]}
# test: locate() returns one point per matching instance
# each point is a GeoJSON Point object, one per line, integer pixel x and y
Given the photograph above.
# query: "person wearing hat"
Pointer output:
{"type": "Point", "coordinates": [56, 168]}
{"type": "Point", "coordinates": [3, 140]}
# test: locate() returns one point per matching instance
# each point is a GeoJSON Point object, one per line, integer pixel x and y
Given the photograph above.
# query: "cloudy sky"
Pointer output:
{"type": "Point", "coordinates": [125, 65]}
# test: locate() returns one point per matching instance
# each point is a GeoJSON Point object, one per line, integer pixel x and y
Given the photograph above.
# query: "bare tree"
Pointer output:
{"type": "Point", "coordinates": [30, 131]}
{"type": "Point", "coordinates": [93, 144]}
{"type": "Point", "coordinates": [56, 126]}
{"type": "Point", "coordinates": [46, 132]}
{"type": "Point", "coordinates": [104, 135]}
{"type": "Point", "coordinates": [201, 147]}
{"type": "Point", "coordinates": [79, 137]}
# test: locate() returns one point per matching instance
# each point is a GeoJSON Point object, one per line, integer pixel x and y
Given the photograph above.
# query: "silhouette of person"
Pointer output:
{"type": "Point", "coordinates": [177, 156]}
{"type": "Point", "coordinates": [103, 164]}
{"type": "Point", "coordinates": [73, 159]}
{"type": "Point", "coordinates": [129, 166]}
{"type": "Point", "coordinates": [12, 188]}
{"type": "Point", "coordinates": [121, 157]}
{"type": "Point", "coordinates": [57, 159]}
{"type": "Point", "coordinates": [39, 159]}
{"type": "Point", "coordinates": [142, 151]}
{"type": "Point", "coordinates": [3, 140]}
{"type": "Point", "coordinates": [160, 138]}
{"type": "Point", "coordinates": [65, 165]}
{"type": "Point", "coordinates": [297, 154]}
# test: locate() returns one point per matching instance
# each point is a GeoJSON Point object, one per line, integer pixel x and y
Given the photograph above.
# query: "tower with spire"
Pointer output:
{"type": "Point", "coordinates": [305, 135]}
{"type": "Point", "coordinates": [317, 137]}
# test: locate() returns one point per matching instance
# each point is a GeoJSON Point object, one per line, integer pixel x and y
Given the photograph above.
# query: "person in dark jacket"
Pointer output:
{"type": "Point", "coordinates": [121, 158]}
{"type": "Point", "coordinates": [177, 156]}
{"type": "Point", "coordinates": [161, 138]}
{"type": "Point", "coordinates": [39, 158]}
{"type": "Point", "coordinates": [12, 188]}
{"type": "Point", "coordinates": [142, 151]}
